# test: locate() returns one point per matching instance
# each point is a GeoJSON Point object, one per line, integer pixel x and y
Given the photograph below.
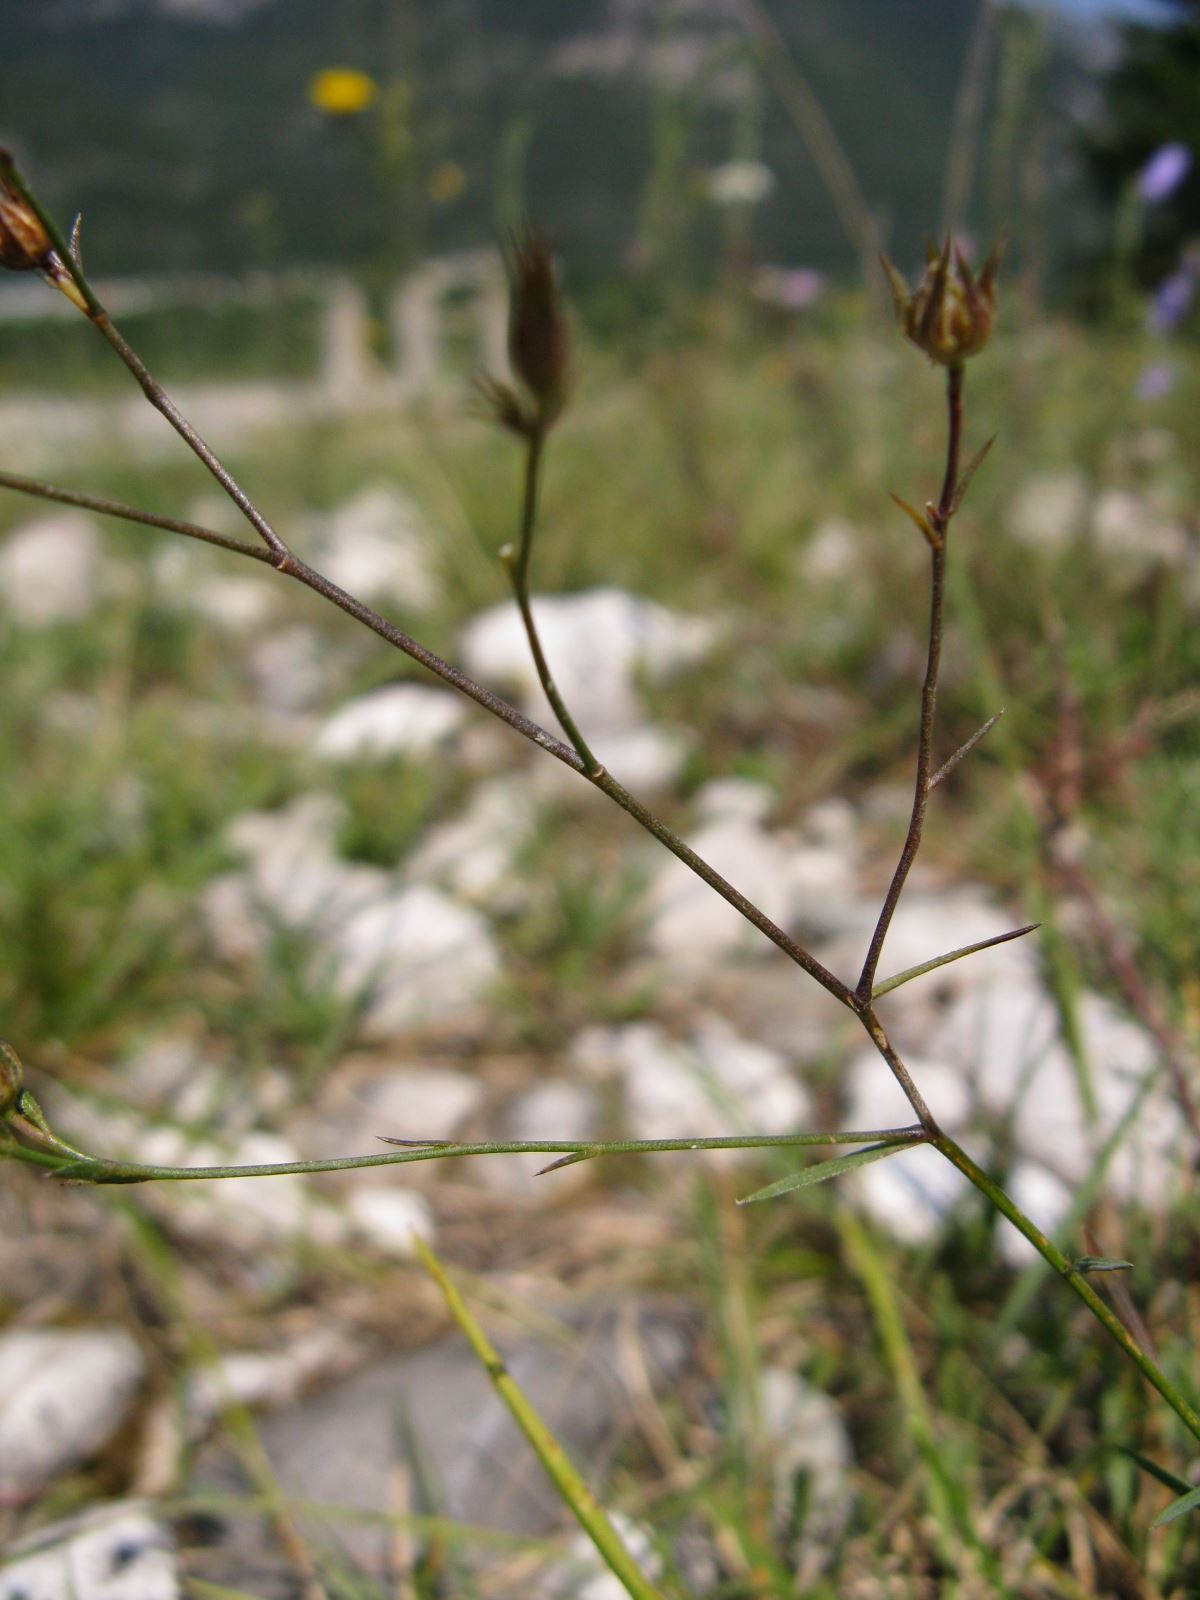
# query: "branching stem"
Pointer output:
{"type": "Point", "coordinates": [36, 1145]}
{"type": "Point", "coordinates": [940, 519]}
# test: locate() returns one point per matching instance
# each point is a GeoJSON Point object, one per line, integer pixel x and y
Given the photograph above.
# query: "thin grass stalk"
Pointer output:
{"type": "Point", "coordinates": [571, 1487]}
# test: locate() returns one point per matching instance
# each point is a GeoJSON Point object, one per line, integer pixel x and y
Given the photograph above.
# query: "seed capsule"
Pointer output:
{"type": "Point", "coordinates": [949, 314]}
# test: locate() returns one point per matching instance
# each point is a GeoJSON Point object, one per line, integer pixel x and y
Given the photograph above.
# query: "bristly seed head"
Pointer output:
{"type": "Point", "coordinates": [949, 315]}
{"type": "Point", "coordinates": [538, 337]}
{"type": "Point", "coordinates": [25, 245]}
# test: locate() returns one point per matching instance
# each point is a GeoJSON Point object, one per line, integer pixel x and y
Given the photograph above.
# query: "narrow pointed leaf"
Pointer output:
{"type": "Point", "coordinates": [920, 520]}
{"type": "Point", "coordinates": [968, 472]}
{"type": "Point", "coordinates": [824, 1170]}
{"type": "Point", "coordinates": [1169, 1480]}
{"type": "Point", "coordinates": [948, 767]}
{"type": "Point", "coordinates": [566, 1161]}
{"type": "Point", "coordinates": [1178, 1508]}
{"type": "Point", "coordinates": [951, 955]}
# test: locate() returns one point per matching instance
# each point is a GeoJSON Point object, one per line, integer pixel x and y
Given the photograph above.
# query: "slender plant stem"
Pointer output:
{"type": "Point", "coordinates": [1078, 1281]}
{"type": "Point", "coordinates": [937, 599]}
{"type": "Point", "coordinates": [151, 388]}
{"type": "Point", "coordinates": [149, 519]}
{"type": "Point", "coordinates": [562, 1472]}
{"type": "Point", "coordinates": [165, 406]}
{"type": "Point", "coordinates": [95, 1170]}
{"type": "Point", "coordinates": [899, 1071]}
{"type": "Point", "coordinates": [517, 563]}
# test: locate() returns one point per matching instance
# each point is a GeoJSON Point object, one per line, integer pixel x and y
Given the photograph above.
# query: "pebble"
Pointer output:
{"type": "Point", "coordinates": [65, 1393]}
{"type": "Point", "coordinates": [401, 719]}
{"type": "Point", "coordinates": [50, 569]}
{"type": "Point", "coordinates": [118, 1552]}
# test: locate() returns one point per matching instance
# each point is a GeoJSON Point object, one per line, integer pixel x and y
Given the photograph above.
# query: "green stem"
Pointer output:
{"type": "Point", "coordinates": [570, 1485]}
{"type": "Point", "coordinates": [1067, 1269]}
{"type": "Point", "coordinates": [96, 1170]}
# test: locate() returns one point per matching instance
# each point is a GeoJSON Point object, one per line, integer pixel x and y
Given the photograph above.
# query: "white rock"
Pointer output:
{"type": "Point", "coordinates": [1043, 1198]}
{"type": "Point", "coordinates": [272, 1377]}
{"type": "Point", "coordinates": [1049, 510]}
{"type": "Point", "coordinates": [316, 895]}
{"type": "Point", "coordinates": [473, 854]}
{"type": "Point", "coordinates": [377, 546]}
{"type": "Point", "coordinates": [417, 957]}
{"type": "Point", "coordinates": [912, 1193]}
{"type": "Point", "coordinates": [117, 1553]}
{"type": "Point", "coordinates": [389, 1217]}
{"type": "Point", "coordinates": [288, 668]}
{"type": "Point", "coordinates": [400, 719]}
{"type": "Point", "coordinates": [834, 824]}
{"type": "Point", "coordinates": [306, 827]}
{"type": "Point", "coordinates": [65, 1393]}
{"type": "Point", "coordinates": [874, 1100]}
{"type": "Point", "coordinates": [734, 800]}
{"type": "Point", "coordinates": [235, 605]}
{"type": "Point", "coordinates": [808, 1437]}
{"type": "Point", "coordinates": [796, 885]}
{"type": "Point", "coordinates": [712, 1083]}
{"type": "Point", "coordinates": [645, 759]}
{"type": "Point", "coordinates": [50, 569]}
{"type": "Point", "coordinates": [595, 642]}
{"type": "Point", "coordinates": [417, 1102]}
{"type": "Point", "coordinates": [584, 1576]}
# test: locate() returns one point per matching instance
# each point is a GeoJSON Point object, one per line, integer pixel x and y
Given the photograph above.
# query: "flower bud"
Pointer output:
{"type": "Point", "coordinates": [25, 244]}
{"type": "Point", "coordinates": [949, 314]}
{"type": "Point", "coordinates": [538, 337]}
{"type": "Point", "coordinates": [12, 1079]}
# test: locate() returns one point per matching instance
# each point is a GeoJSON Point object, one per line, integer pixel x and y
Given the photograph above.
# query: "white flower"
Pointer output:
{"type": "Point", "coordinates": [740, 183]}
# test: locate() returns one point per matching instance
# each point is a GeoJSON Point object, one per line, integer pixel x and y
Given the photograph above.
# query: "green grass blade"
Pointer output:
{"type": "Point", "coordinates": [1178, 1508]}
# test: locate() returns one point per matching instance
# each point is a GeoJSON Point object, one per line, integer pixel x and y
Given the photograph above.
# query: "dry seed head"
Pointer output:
{"type": "Point", "coordinates": [25, 245]}
{"type": "Point", "coordinates": [538, 338]}
{"type": "Point", "coordinates": [949, 314]}
{"type": "Point", "coordinates": [12, 1079]}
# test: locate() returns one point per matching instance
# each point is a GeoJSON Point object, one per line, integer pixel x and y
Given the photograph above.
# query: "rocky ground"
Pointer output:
{"type": "Point", "coordinates": [250, 1382]}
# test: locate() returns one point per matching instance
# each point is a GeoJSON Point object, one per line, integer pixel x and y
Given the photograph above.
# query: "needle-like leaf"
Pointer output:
{"type": "Point", "coordinates": [951, 955]}
{"type": "Point", "coordinates": [824, 1170]}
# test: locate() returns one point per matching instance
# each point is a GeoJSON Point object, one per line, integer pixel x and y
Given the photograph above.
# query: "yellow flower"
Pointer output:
{"type": "Point", "coordinates": [342, 91]}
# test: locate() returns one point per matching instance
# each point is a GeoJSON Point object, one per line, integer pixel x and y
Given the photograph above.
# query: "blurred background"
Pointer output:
{"type": "Point", "coordinates": [266, 892]}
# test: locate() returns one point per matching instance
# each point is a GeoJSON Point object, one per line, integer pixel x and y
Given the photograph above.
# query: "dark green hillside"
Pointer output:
{"type": "Point", "coordinates": [190, 143]}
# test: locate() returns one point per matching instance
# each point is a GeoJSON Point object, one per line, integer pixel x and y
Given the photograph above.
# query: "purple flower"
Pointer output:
{"type": "Point", "coordinates": [1156, 381]}
{"type": "Point", "coordinates": [1171, 300]}
{"type": "Point", "coordinates": [1164, 172]}
{"type": "Point", "coordinates": [789, 288]}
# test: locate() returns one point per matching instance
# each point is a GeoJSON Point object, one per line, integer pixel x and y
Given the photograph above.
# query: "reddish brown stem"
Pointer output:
{"type": "Point", "coordinates": [940, 517]}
